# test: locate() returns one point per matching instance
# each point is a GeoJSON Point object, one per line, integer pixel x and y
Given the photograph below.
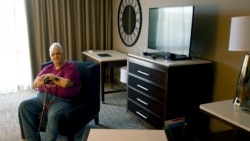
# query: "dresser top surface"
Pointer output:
{"type": "Point", "coordinates": [166, 62]}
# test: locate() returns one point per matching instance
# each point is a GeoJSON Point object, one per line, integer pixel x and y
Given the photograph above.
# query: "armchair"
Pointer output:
{"type": "Point", "coordinates": [87, 105]}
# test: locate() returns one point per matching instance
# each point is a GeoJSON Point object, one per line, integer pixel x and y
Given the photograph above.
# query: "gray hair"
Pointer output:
{"type": "Point", "coordinates": [55, 45]}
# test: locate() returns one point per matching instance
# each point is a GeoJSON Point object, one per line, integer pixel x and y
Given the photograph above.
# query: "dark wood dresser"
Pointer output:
{"type": "Point", "coordinates": [160, 90]}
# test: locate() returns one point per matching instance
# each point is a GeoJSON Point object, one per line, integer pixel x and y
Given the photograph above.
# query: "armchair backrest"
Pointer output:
{"type": "Point", "coordinates": [90, 81]}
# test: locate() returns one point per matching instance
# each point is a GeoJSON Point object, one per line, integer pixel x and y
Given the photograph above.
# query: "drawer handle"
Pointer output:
{"type": "Point", "coordinates": [145, 117]}
{"type": "Point", "coordinates": [144, 73]}
{"type": "Point", "coordinates": [140, 86]}
{"type": "Point", "coordinates": [143, 102]}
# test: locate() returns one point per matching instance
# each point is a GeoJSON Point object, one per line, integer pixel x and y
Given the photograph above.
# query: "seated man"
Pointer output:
{"type": "Point", "coordinates": [62, 87]}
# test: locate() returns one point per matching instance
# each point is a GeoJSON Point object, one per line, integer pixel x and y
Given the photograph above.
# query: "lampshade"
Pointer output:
{"type": "Point", "coordinates": [240, 34]}
{"type": "Point", "coordinates": [240, 41]}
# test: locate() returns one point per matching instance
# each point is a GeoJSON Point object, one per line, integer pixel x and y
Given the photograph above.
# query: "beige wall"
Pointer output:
{"type": "Point", "coordinates": [210, 40]}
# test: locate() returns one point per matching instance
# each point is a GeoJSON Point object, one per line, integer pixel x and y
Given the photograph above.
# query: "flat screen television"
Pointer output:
{"type": "Point", "coordinates": [170, 31]}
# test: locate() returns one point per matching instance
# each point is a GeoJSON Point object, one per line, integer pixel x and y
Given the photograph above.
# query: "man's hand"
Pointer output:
{"type": "Point", "coordinates": [46, 80]}
{"type": "Point", "coordinates": [51, 77]}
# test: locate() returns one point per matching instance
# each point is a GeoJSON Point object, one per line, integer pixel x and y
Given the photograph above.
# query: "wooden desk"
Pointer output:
{"type": "Point", "coordinates": [226, 112]}
{"type": "Point", "coordinates": [125, 135]}
{"type": "Point", "coordinates": [231, 115]}
{"type": "Point", "coordinates": [106, 59]}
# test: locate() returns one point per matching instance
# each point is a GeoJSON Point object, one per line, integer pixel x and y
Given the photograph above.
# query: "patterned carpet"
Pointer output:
{"type": "Point", "coordinates": [113, 115]}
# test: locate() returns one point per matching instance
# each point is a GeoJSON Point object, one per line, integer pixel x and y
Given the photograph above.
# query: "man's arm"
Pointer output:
{"type": "Point", "coordinates": [62, 82]}
{"type": "Point", "coordinates": [59, 81]}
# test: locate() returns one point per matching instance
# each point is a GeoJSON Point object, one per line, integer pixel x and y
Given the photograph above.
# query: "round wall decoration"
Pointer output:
{"type": "Point", "coordinates": [129, 21]}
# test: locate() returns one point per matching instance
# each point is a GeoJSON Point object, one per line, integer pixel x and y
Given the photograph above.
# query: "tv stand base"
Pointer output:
{"type": "Point", "coordinates": [167, 55]}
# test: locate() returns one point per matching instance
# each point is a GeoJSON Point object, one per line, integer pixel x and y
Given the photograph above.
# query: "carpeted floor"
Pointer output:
{"type": "Point", "coordinates": [113, 115]}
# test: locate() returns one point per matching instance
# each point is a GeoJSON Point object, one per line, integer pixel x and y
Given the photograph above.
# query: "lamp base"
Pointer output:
{"type": "Point", "coordinates": [241, 102]}
{"type": "Point", "coordinates": [242, 98]}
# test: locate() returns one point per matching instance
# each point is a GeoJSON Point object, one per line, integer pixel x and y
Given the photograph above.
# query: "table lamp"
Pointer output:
{"type": "Point", "coordinates": [240, 41]}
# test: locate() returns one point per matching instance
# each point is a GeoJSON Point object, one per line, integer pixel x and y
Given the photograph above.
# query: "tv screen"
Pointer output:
{"type": "Point", "coordinates": [170, 30]}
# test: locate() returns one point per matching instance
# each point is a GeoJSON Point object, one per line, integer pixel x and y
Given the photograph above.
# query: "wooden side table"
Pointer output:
{"type": "Point", "coordinates": [106, 59]}
{"type": "Point", "coordinates": [226, 112]}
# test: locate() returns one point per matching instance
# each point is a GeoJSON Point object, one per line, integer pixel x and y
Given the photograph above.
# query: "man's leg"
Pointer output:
{"type": "Point", "coordinates": [57, 109]}
{"type": "Point", "coordinates": [27, 112]}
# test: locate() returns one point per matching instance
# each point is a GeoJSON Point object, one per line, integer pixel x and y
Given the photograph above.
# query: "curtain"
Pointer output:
{"type": "Point", "coordinates": [78, 25]}
{"type": "Point", "coordinates": [15, 70]}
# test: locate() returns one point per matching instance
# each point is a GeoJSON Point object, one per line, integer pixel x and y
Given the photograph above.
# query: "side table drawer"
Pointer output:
{"type": "Point", "coordinates": [152, 105]}
{"type": "Point", "coordinates": [145, 115]}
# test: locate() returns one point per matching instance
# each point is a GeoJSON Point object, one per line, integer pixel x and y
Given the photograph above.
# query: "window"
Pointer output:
{"type": "Point", "coordinates": [15, 72]}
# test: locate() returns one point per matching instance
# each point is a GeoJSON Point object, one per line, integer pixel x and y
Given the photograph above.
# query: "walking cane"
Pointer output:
{"type": "Point", "coordinates": [43, 110]}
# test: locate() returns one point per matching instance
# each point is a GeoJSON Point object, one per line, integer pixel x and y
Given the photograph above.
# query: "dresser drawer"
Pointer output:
{"type": "Point", "coordinates": [147, 88]}
{"type": "Point", "coordinates": [156, 76]}
{"type": "Point", "coordinates": [146, 102]}
{"type": "Point", "coordinates": [145, 115]}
